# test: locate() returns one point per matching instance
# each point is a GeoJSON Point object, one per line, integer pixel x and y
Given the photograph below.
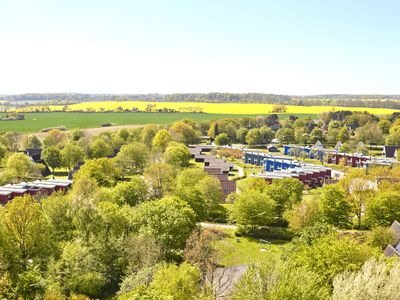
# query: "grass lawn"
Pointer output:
{"type": "Point", "coordinates": [244, 250]}
{"type": "Point", "coordinates": [36, 121]}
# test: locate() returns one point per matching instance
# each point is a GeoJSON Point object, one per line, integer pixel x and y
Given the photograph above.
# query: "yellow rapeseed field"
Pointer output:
{"type": "Point", "coordinates": [215, 108]}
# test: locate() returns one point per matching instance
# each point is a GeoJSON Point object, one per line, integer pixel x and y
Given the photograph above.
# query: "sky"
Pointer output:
{"type": "Point", "coordinates": [289, 47]}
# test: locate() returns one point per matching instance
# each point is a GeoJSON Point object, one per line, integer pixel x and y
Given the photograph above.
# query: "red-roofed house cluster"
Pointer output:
{"type": "Point", "coordinates": [38, 187]}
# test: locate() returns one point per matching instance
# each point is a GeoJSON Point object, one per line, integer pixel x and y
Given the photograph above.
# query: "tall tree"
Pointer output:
{"type": "Point", "coordinates": [334, 207]}
{"type": "Point", "coordinates": [52, 157]}
{"type": "Point", "coordinates": [54, 138]}
{"type": "Point", "coordinates": [169, 220]}
{"type": "Point", "coordinates": [161, 178]}
{"type": "Point", "coordinates": [133, 158]}
{"type": "Point", "coordinates": [177, 155]}
{"type": "Point", "coordinates": [161, 140]}
{"type": "Point", "coordinates": [253, 209]}
{"type": "Point", "coordinates": [71, 154]}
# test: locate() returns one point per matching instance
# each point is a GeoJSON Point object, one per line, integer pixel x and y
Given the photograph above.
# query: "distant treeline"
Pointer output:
{"type": "Point", "coordinates": [378, 101]}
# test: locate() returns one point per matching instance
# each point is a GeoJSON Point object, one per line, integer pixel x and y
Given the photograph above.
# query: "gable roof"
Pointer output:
{"type": "Point", "coordinates": [395, 227]}
{"type": "Point", "coordinates": [391, 251]}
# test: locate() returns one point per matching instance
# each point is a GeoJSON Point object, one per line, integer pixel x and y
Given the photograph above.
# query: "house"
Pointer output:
{"type": "Point", "coordinates": [394, 249]}
{"type": "Point", "coordinates": [38, 187]}
{"type": "Point", "coordinates": [272, 148]}
{"type": "Point", "coordinates": [390, 151]}
{"type": "Point", "coordinates": [395, 227]}
{"type": "Point", "coordinates": [36, 156]}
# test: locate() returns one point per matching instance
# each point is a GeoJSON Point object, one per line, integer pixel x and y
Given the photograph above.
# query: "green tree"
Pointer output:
{"type": "Point", "coordinates": [133, 158]}
{"type": "Point", "coordinates": [177, 282]}
{"type": "Point", "coordinates": [78, 271]}
{"type": "Point", "coordinates": [177, 155]}
{"type": "Point", "coordinates": [161, 140]}
{"type": "Point", "coordinates": [384, 126]}
{"type": "Point", "coordinates": [54, 138]}
{"type": "Point", "coordinates": [28, 229]}
{"type": "Point", "coordinates": [3, 151]}
{"type": "Point", "coordinates": [56, 209]}
{"type": "Point", "coordinates": [380, 237]}
{"type": "Point", "coordinates": [99, 148]}
{"type": "Point", "coordinates": [267, 134]}
{"type": "Point", "coordinates": [161, 178]}
{"type": "Point", "coordinates": [71, 154]}
{"type": "Point", "coordinates": [169, 221]}
{"type": "Point", "coordinates": [148, 134]}
{"type": "Point", "coordinates": [274, 279]}
{"type": "Point", "coordinates": [52, 157]}
{"type": "Point", "coordinates": [253, 137]}
{"type": "Point", "coordinates": [241, 134]}
{"type": "Point", "coordinates": [394, 136]}
{"type": "Point", "coordinates": [369, 134]}
{"type": "Point", "coordinates": [330, 255]}
{"type": "Point", "coordinates": [317, 135]}
{"type": "Point", "coordinates": [18, 167]}
{"type": "Point", "coordinates": [301, 135]}
{"type": "Point", "coordinates": [334, 207]}
{"type": "Point", "coordinates": [285, 192]}
{"type": "Point", "coordinates": [305, 214]}
{"type": "Point", "coordinates": [132, 192]}
{"type": "Point", "coordinates": [123, 134]}
{"type": "Point", "coordinates": [343, 134]}
{"type": "Point", "coordinates": [214, 130]}
{"type": "Point", "coordinates": [103, 170]}
{"type": "Point", "coordinates": [253, 209]}
{"type": "Point", "coordinates": [202, 192]}
{"type": "Point", "coordinates": [285, 135]}
{"type": "Point", "coordinates": [33, 142]}
{"type": "Point", "coordinates": [383, 209]}
{"type": "Point", "coordinates": [183, 133]}
{"type": "Point", "coordinates": [222, 139]}
{"type": "Point", "coordinates": [11, 140]}
{"type": "Point", "coordinates": [358, 189]}
{"type": "Point", "coordinates": [75, 135]}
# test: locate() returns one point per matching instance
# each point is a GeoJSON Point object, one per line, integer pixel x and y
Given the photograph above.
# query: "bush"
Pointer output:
{"type": "Point", "coordinates": [61, 128]}
{"type": "Point", "coordinates": [380, 237]}
{"type": "Point", "coordinates": [219, 215]}
{"type": "Point", "coordinates": [267, 233]}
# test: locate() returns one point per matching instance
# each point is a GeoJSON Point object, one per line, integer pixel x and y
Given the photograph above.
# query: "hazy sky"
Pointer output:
{"type": "Point", "coordinates": [270, 46]}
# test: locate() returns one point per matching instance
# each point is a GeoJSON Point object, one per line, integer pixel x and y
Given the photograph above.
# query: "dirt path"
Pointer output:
{"type": "Point", "coordinates": [217, 225]}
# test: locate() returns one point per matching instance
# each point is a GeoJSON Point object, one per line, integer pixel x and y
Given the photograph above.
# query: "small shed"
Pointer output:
{"type": "Point", "coordinates": [272, 148]}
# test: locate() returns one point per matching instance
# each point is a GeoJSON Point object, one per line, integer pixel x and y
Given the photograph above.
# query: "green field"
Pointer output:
{"type": "Point", "coordinates": [36, 121]}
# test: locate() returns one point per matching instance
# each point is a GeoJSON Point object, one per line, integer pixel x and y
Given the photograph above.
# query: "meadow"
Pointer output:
{"type": "Point", "coordinates": [36, 121]}
{"type": "Point", "coordinates": [213, 108]}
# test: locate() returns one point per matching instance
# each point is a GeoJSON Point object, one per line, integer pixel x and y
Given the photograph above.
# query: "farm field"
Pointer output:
{"type": "Point", "coordinates": [36, 121]}
{"type": "Point", "coordinates": [214, 108]}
